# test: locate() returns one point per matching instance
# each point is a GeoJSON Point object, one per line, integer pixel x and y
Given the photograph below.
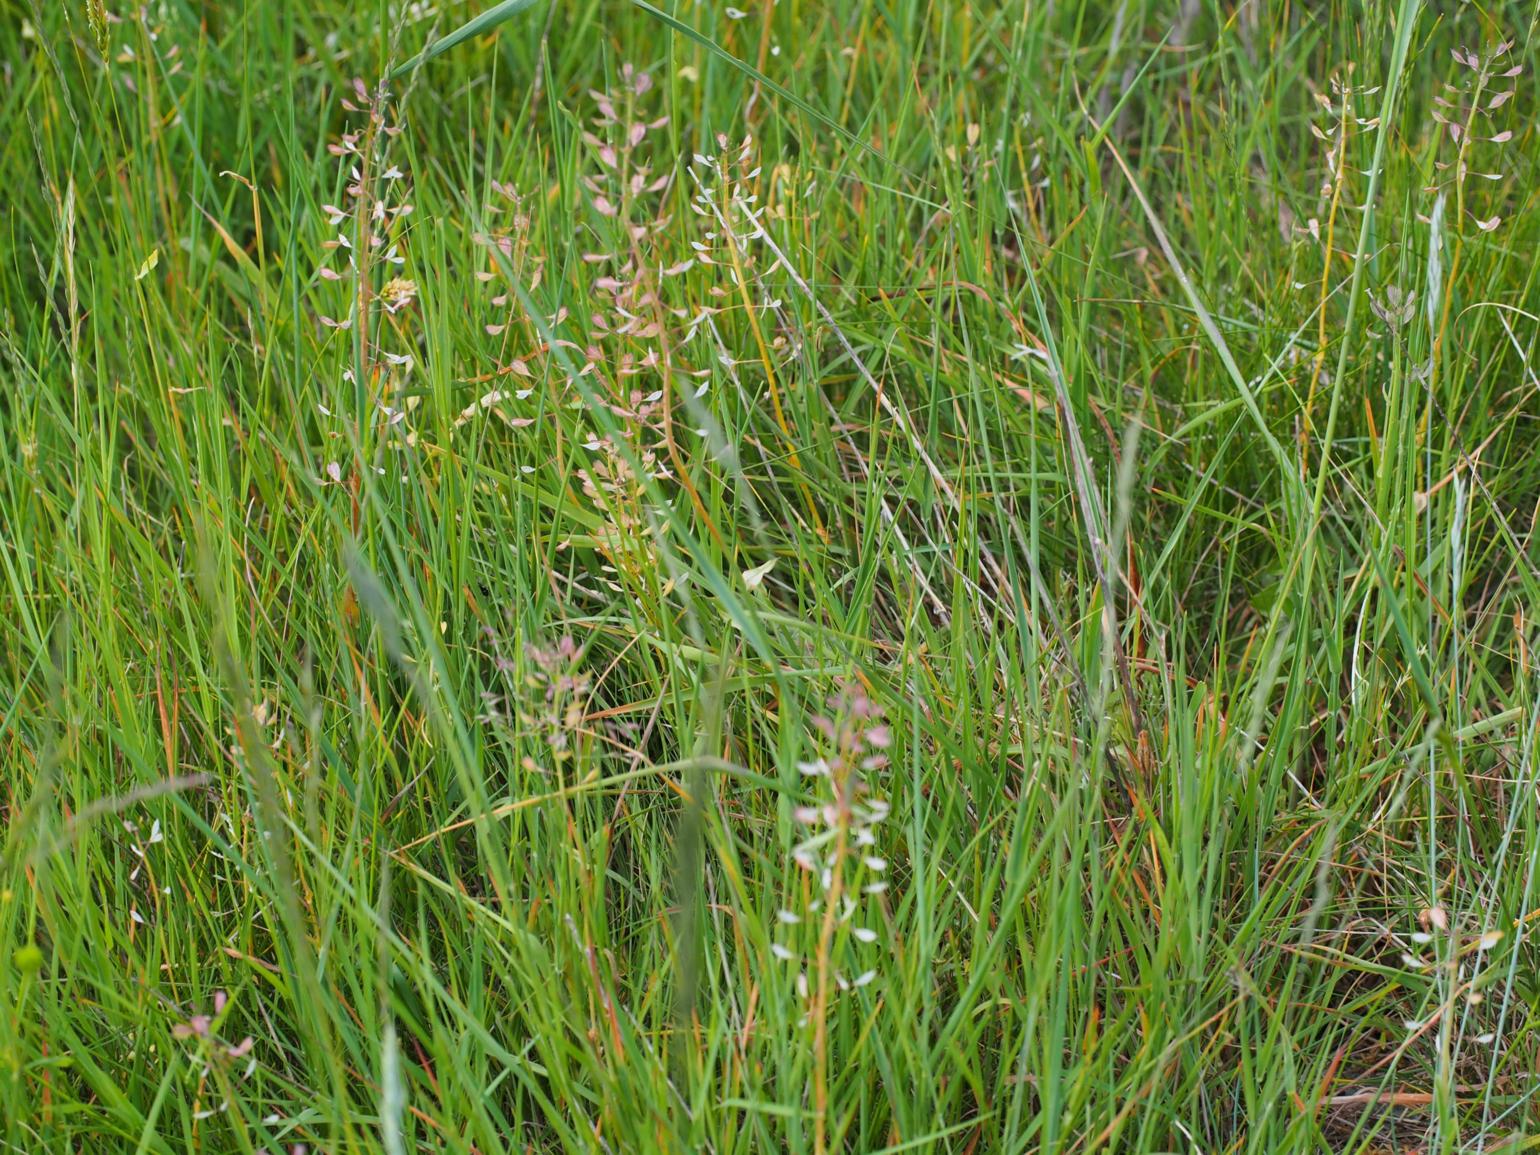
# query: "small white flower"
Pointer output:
{"type": "Point", "coordinates": [754, 578]}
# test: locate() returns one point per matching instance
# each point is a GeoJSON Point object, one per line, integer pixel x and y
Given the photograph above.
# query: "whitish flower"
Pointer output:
{"type": "Point", "coordinates": [837, 849]}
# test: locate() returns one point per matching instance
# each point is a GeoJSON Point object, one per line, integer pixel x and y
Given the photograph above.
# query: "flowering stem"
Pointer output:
{"type": "Point", "coordinates": [825, 972]}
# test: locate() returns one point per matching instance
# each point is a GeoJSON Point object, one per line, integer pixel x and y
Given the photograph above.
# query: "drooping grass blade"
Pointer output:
{"type": "Point", "coordinates": [498, 13]}
{"type": "Point", "coordinates": [475, 26]}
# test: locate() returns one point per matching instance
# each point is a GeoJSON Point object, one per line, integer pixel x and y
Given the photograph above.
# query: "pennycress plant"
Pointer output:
{"type": "Point", "coordinates": [1339, 124]}
{"type": "Point", "coordinates": [367, 260]}
{"type": "Point", "coordinates": [1466, 110]}
{"type": "Point", "coordinates": [510, 234]}
{"type": "Point", "coordinates": [830, 931]}
{"type": "Point", "coordinates": [731, 216]}
{"type": "Point", "coordinates": [632, 358]}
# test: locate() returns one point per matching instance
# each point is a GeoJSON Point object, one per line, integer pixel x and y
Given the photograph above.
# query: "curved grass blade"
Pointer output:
{"type": "Point", "coordinates": [475, 26]}
{"type": "Point", "coordinates": [498, 13]}
{"type": "Point", "coordinates": [679, 26]}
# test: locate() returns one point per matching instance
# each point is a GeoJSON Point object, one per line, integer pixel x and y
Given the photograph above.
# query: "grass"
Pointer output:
{"type": "Point", "coordinates": [977, 596]}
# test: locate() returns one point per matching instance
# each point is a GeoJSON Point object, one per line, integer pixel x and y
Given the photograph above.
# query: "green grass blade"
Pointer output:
{"type": "Point", "coordinates": [484, 22]}
{"type": "Point", "coordinates": [499, 13]}
{"type": "Point", "coordinates": [758, 77]}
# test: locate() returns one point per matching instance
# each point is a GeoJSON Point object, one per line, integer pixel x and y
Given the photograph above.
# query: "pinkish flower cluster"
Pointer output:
{"type": "Point", "coordinates": [839, 853]}
{"type": "Point", "coordinates": [367, 260]}
{"type": "Point", "coordinates": [557, 695]}
{"type": "Point", "coordinates": [1466, 111]}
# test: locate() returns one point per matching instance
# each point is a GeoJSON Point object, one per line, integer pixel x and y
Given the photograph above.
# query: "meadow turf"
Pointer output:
{"type": "Point", "coordinates": [841, 576]}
